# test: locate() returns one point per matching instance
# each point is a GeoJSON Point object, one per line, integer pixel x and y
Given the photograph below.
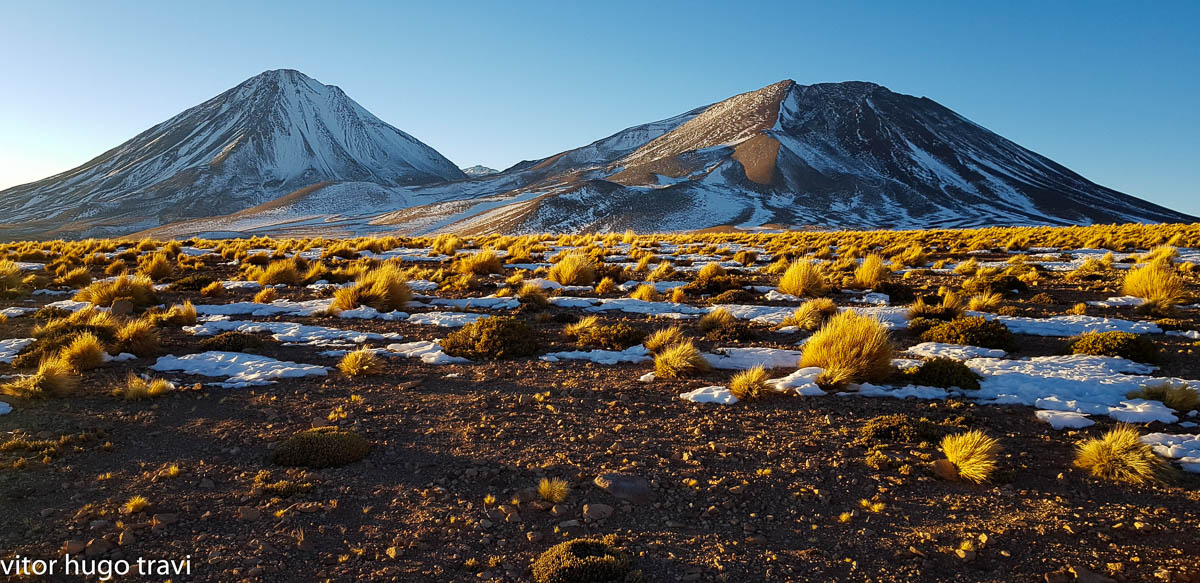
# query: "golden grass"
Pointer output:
{"type": "Point", "coordinates": [647, 293]}
{"type": "Point", "coordinates": [553, 490]}
{"type": "Point", "coordinates": [718, 318]}
{"type": "Point", "coordinates": [606, 286]}
{"type": "Point", "coordinates": [177, 315]}
{"type": "Point", "coordinates": [851, 348]}
{"type": "Point", "coordinates": [76, 278]}
{"type": "Point", "coordinates": [533, 294]}
{"type": "Point", "coordinates": [1120, 456]}
{"type": "Point", "coordinates": [138, 337]}
{"type": "Point", "coordinates": [973, 455]}
{"type": "Point", "coordinates": [680, 360]}
{"type": "Point", "coordinates": [710, 270]}
{"type": "Point", "coordinates": [663, 272]}
{"type": "Point", "coordinates": [985, 302]}
{"type": "Point", "coordinates": [284, 272]}
{"type": "Point", "coordinates": [155, 266]}
{"type": "Point", "coordinates": [137, 388]}
{"type": "Point", "coordinates": [749, 384]}
{"type": "Point", "coordinates": [384, 288]}
{"type": "Point", "coordinates": [1156, 283]}
{"type": "Point", "coordinates": [573, 269]}
{"type": "Point", "coordinates": [811, 314]}
{"type": "Point", "coordinates": [135, 504]}
{"type": "Point", "coordinates": [871, 272]}
{"type": "Point", "coordinates": [1178, 396]}
{"type": "Point", "coordinates": [574, 328]}
{"type": "Point", "coordinates": [360, 362]}
{"type": "Point", "coordinates": [10, 275]}
{"type": "Point", "coordinates": [138, 289]}
{"type": "Point", "coordinates": [663, 338]}
{"type": "Point", "coordinates": [266, 295]}
{"type": "Point", "coordinates": [54, 378]}
{"type": "Point", "coordinates": [481, 263]}
{"type": "Point", "coordinates": [84, 352]}
{"type": "Point", "coordinates": [803, 278]}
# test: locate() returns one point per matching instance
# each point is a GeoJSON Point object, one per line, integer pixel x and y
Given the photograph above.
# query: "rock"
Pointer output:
{"type": "Point", "coordinates": [533, 536]}
{"type": "Point", "coordinates": [945, 470]}
{"type": "Point", "coordinates": [121, 308]}
{"type": "Point", "coordinates": [97, 547]}
{"type": "Point", "coordinates": [1084, 575]}
{"type": "Point", "coordinates": [165, 519]}
{"type": "Point", "coordinates": [629, 487]}
{"type": "Point", "coordinates": [248, 513]}
{"type": "Point", "coordinates": [1059, 576]}
{"type": "Point", "coordinates": [965, 554]}
{"type": "Point", "coordinates": [597, 511]}
{"type": "Point", "coordinates": [126, 538]}
{"type": "Point", "coordinates": [73, 547]}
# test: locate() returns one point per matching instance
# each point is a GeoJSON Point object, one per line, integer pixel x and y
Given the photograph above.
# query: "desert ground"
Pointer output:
{"type": "Point", "coordinates": [1015, 404]}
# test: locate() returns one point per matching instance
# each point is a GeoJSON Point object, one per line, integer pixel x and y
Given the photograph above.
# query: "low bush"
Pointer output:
{"type": "Point", "coordinates": [1134, 347]}
{"type": "Point", "coordinates": [495, 337]}
{"type": "Point", "coordinates": [611, 337]}
{"type": "Point", "coordinates": [972, 331]}
{"type": "Point", "coordinates": [322, 447]}
{"type": "Point", "coordinates": [942, 372]}
{"type": "Point", "coordinates": [1120, 456]}
{"type": "Point", "coordinates": [899, 427]}
{"type": "Point", "coordinates": [997, 284]}
{"type": "Point", "coordinates": [195, 282]}
{"type": "Point", "coordinates": [851, 348]}
{"type": "Point", "coordinates": [680, 360]}
{"type": "Point", "coordinates": [586, 561]}
{"type": "Point", "coordinates": [233, 342]}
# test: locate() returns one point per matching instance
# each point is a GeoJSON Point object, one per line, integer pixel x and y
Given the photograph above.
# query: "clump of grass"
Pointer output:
{"type": "Point", "coordinates": [680, 360]}
{"type": "Point", "coordinates": [232, 341]}
{"type": "Point", "coordinates": [949, 308]}
{"type": "Point", "coordinates": [84, 352]}
{"type": "Point", "coordinates": [850, 348]}
{"type": "Point", "coordinates": [135, 504]}
{"type": "Point", "coordinates": [10, 276]}
{"type": "Point", "coordinates": [1157, 283]}
{"type": "Point", "coordinates": [177, 315]}
{"type": "Point", "coordinates": [586, 560]}
{"type": "Point", "coordinates": [973, 455]}
{"type": "Point", "coordinates": [710, 269]}
{"type": "Point", "coordinates": [606, 286]}
{"type": "Point", "coordinates": [1134, 347]}
{"type": "Point", "coordinates": [942, 372]}
{"type": "Point", "coordinates": [749, 384]}
{"type": "Point", "coordinates": [212, 290]}
{"type": "Point", "coordinates": [266, 295]}
{"type": "Point", "coordinates": [532, 294]}
{"type": "Point", "coordinates": [573, 269]}
{"type": "Point", "coordinates": [285, 272]}
{"type": "Point", "coordinates": [972, 331]}
{"type": "Point", "coordinates": [803, 278]}
{"type": "Point", "coordinates": [54, 378]}
{"type": "Point", "coordinates": [138, 337]}
{"type": "Point", "coordinates": [495, 337]}
{"type": "Point", "coordinates": [155, 266]}
{"type": "Point", "coordinates": [663, 338]}
{"type": "Point", "coordinates": [553, 490]}
{"type": "Point", "coordinates": [321, 447]}
{"type": "Point", "coordinates": [482, 263]}
{"type": "Point", "coordinates": [1120, 456]}
{"type": "Point", "coordinates": [360, 362]}
{"type": "Point", "coordinates": [718, 318]}
{"type": "Point", "coordinates": [1178, 396]}
{"type": "Point", "coordinates": [138, 289]}
{"type": "Point", "coordinates": [263, 482]}
{"type": "Point", "coordinates": [76, 278]}
{"type": "Point", "coordinates": [136, 388]}
{"type": "Point", "coordinates": [986, 302]}
{"type": "Point", "coordinates": [871, 272]}
{"type": "Point", "coordinates": [617, 336]}
{"type": "Point", "coordinates": [812, 314]}
{"type": "Point", "coordinates": [647, 293]}
{"type": "Point", "coordinates": [384, 288]}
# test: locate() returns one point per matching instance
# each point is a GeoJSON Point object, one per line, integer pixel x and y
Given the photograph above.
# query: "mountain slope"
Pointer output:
{"type": "Point", "coordinates": [271, 135]}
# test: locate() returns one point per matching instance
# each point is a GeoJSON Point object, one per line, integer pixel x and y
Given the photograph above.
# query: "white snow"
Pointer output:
{"type": "Point", "coordinates": [1064, 419]}
{"type": "Point", "coordinates": [290, 332]}
{"type": "Point", "coordinates": [445, 319]}
{"type": "Point", "coordinates": [1069, 325]}
{"type": "Point", "coordinates": [17, 312]}
{"type": "Point", "coordinates": [240, 369]}
{"type": "Point", "coordinates": [429, 352]}
{"type": "Point", "coordinates": [11, 347]}
{"type": "Point", "coordinates": [1183, 448]}
{"type": "Point", "coordinates": [750, 357]}
{"type": "Point", "coordinates": [955, 351]}
{"type": "Point", "coordinates": [713, 394]}
{"type": "Point", "coordinates": [633, 354]}
{"type": "Point", "coordinates": [802, 382]}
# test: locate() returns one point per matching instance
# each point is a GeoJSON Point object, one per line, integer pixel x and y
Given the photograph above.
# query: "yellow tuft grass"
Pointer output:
{"type": "Point", "coordinates": [266, 295]}
{"type": "Point", "coordinates": [1156, 283]}
{"type": "Point", "coordinates": [285, 272]}
{"type": "Point", "coordinates": [76, 278]}
{"type": "Point", "coordinates": [574, 328]}
{"type": "Point", "coordinates": [973, 454]}
{"type": "Point", "coordinates": [871, 272]}
{"type": "Point", "coordinates": [1178, 396]}
{"type": "Point", "coordinates": [679, 360]}
{"type": "Point", "coordinates": [663, 338]}
{"type": "Point", "coordinates": [84, 352]}
{"type": "Point", "coordinates": [135, 504]}
{"type": "Point", "coordinates": [851, 348]}
{"type": "Point", "coordinates": [138, 289]}
{"type": "Point", "coordinates": [553, 490]}
{"type": "Point", "coordinates": [384, 288]}
{"type": "Point", "coordinates": [573, 269]}
{"type": "Point", "coordinates": [1120, 456]}
{"type": "Point", "coordinates": [137, 388]}
{"type": "Point", "coordinates": [985, 302]}
{"type": "Point", "coordinates": [803, 278]}
{"type": "Point", "coordinates": [212, 290]}
{"type": "Point", "coordinates": [138, 337]}
{"type": "Point", "coordinates": [647, 293]}
{"type": "Point", "coordinates": [710, 270]}
{"type": "Point", "coordinates": [718, 318]}
{"type": "Point", "coordinates": [481, 263]}
{"type": "Point", "coordinates": [54, 378]}
{"type": "Point", "coordinates": [155, 266]}
{"type": "Point", "coordinates": [360, 362]}
{"type": "Point", "coordinates": [533, 294]}
{"type": "Point", "coordinates": [606, 286]}
{"type": "Point", "coordinates": [811, 314]}
{"type": "Point", "coordinates": [749, 384]}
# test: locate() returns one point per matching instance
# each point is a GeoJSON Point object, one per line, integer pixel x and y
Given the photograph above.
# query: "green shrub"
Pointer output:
{"type": "Point", "coordinates": [712, 285]}
{"type": "Point", "coordinates": [899, 427]}
{"type": "Point", "coordinates": [918, 326]}
{"type": "Point", "coordinates": [321, 447]}
{"type": "Point", "coordinates": [586, 561]}
{"type": "Point", "coordinates": [613, 336]}
{"type": "Point", "coordinates": [999, 284]}
{"type": "Point", "coordinates": [974, 331]}
{"type": "Point", "coordinates": [897, 293]}
{"type": "Point", "coordinates": [1122, 344]}
{"type": "Point", "coordinates": [191, 283]}
{"type": "Point", "coordinates": [942, 372]}
{"type": "Point", "coordinates": [733, 296]}
{"type": "Point", "coordinates": [495, 337]}
{"type": "Point", "coordinates": [232, 342]}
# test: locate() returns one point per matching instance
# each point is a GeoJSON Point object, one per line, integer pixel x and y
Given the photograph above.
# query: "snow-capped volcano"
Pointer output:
{"type": "Point", "coordinates": [273, 134]}
{"type": "Point", "coordinates": [848, 154]}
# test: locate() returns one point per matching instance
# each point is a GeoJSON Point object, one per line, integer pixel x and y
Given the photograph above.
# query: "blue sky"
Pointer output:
{"type": "Point", "coordinates": [1107, 89]}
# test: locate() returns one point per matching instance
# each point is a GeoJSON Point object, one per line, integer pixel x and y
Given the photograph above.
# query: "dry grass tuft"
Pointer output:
{"type": "Point", "coordinates": [749, 384]}
{"type": "Point", "coordinates": [360, 362]}
{"type": "Point", "coordinates": [985, 302]}
{"type": "Point", "coordinates": [973, 455]}
{"type": "Point", "coordinates": [384, 288]}
{"type": "Point", "coordinates": [851, 348]}
{"type": "Point", "coordinates": [1120, 456]}
{"type": "Point", "coordinates": [718, 318]}
{"type": "Point", "coordinates": [1178, 396]}
{"type": "Point", "coordinates": [871, 272]}
{"type": "Point", "coordinates": [138, 289]}
{"type": "Point", "coordinates": [647, 293]}
{"type": "Point", "coordinates": [266, 295]}
{"type": "Point", "coordinates": [812, 314]}
{"type": "Point", "coordinates": [663, 338]}
{"type": "Point", "coordinates": [1156, 283]}
{"type": "Point", "coordinates": [573, 269]}
{"type": "Point", "coordinates": [156, 266]}
{"type": "Point", "coordinates": [138, 337]}
{"type": "Point", "coordinates": [481, 263]}
{"type": "Point", "coordinates": [680, 360]}
{"type": "Point", "coordinates": [54, 378]}
{"type": "Point", "coordinates": [84, 352]}
{"type": "Point", "coordinates": [553, 490]}
{"type": "Point", "coordinates": [803, 278]}
{"type": "Point", "coordinates": [533, 294]}
{"type": "Point", "coordinates": [137, 388]}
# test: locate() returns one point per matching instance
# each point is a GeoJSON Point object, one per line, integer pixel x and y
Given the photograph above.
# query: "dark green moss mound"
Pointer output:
{"type": "Point", "coordinates": [711, 286]}
{"type": "Point", "coordinates": [586, 561]}
{"type": "Point", "coordinates": [897, 292]}
{"type": "Point", "coordinates": [321, 447]}
{"type": "Point", "coordinates": [1042, 298]}
{"type": "Point", "coordinates": [918, 326]}
{"type": "Point", "coordinates": [495, 337]}
{"type": "Point", "coordinates": [733, 296]}
{"type": "Point", "coordinates": [611, 337]}
{"type": "Point", "coordinates": [899, 427]}
{"type": "Point", "coordinates": [191, 283]}
{"type": "Point", "coordinates": [232, 342]}
{"type": "Point", "coordinates": [51, 313]}
{"type": "Point", "coordinates": [972, 331]}
{"type": "Point", "coordinates": [942, 372]}
{"type": "Point", "coordinates": [998, 284]}
{"type": "Point", "coordinates": [1122, 344]}
{"type": "Point", "coordinates": [732, 332]}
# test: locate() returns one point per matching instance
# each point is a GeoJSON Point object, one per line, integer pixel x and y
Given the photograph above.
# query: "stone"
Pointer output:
{"type": "Point", "coordinates": [1059, 576]}
{"type": "Point", "coordinates": [126, 538]}
{"type": "Point", "coordinates": [121, 308]}
{"type": "Point", "coordinates": [629, 487]}
{"type": "Point", "coordinates": [248, 513]}
{"type": "Point", "coordinates": [1085, 575]}
{"type": "Point", "coordinates": [165, 519]}
{"type": "Point", "coordinates": [97, 547]}
{"type": "Point", "coordinates": [597, 511]}
{"type": "Point", "coordinates": [945, 470]}
{"type": "Point", "coordinates": [73, 547]}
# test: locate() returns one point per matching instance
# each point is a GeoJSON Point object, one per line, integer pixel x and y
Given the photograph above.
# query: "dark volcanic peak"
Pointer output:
{"type": "Point", "coordinates": [270, 135]}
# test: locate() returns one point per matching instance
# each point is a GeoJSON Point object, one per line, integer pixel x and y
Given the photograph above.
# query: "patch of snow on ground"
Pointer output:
{"type": "Point", "coordinates": [713, 394]}
{"type": "Point", "coordinates": [955, 351]}
{"type": "Point", "coordinates": [11, 347]}
{"type": "Point", "coordinates": [290, 332]}
{"type": "Point", "coordinates": [1069, 325]}
{"type": "Point", "coordinates": [17, 312]}
{"type": "Point", "coordinates": [1183, 448]}
{"type": "Point", "coordinates": [1064, 419]}
{"type": "Point", "coordinates": [445, 319]}
{"type": "Point", "coordinates": [633, 354]}
{"type": "Point", "coordinates": [1116, 302]}
{"type": "Point", "coordinates": [802, 382]}
{"type": "Point", "coordinates": [429, 352]}
{"type": "Point", "coordinates": [746, 358]}
{"type": "Point", "coordinates": [239, 368]}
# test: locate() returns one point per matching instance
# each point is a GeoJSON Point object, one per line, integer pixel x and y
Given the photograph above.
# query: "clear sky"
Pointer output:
{"type": "Point", "coordinates": [1109, 89]}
